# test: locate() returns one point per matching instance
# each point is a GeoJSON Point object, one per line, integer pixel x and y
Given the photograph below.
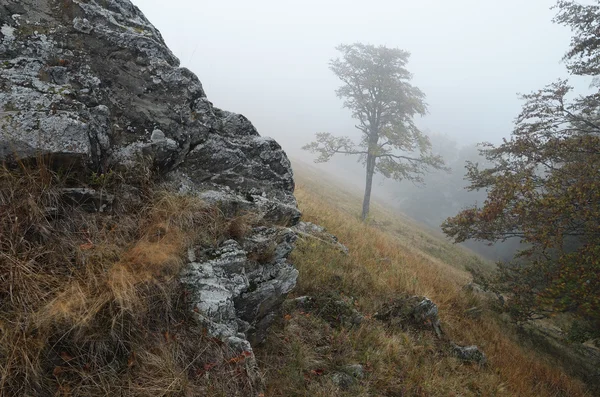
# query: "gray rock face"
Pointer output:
{"type": "Point", "coordinates": [94, 79]}
{"type": "Point", "coordinates": [237, 288]}
{"type": "Point", "coordinates": [92, 82]}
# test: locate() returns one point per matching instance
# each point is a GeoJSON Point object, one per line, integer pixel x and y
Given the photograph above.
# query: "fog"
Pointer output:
{"type": "Point", "coordinates": [269, 59]}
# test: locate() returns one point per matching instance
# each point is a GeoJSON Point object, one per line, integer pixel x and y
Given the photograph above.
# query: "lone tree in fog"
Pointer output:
{"type": "Point", "coordinates": [376, 89]}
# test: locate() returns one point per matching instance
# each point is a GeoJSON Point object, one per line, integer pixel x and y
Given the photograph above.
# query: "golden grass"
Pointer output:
{"type": "Point", "coordinates": [91, 305]}
{"type": "Point", "coordinates": [385, 261]}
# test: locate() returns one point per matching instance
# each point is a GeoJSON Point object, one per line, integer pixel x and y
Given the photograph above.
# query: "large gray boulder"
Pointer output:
{"type": "Point", "coordinates": [91, 83]}
{"type": "Point", "coordinates": [94, 80]}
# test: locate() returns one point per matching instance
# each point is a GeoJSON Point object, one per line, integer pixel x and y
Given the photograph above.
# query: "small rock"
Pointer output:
{"type": "Point", "coordinates": [343, 380]}
{"type": "Point", "coordinates": [89, 199]}
{"type": "Point", "coordinates": [302, 300]}
{"type": "Point", "coordinates": [355, 370]}
{"type": "Point", "coordinates": [414, 311]}
{"type": "Point", "coordinates": [157, 136]}
{"type": "Point", "coordinates": [483, 292]}
{"type": "Point", "coordinates": [469, 353]}
{"type": "Point", "coordinates": [82, 25]}
{"type": "Point", "coordinates": [474, 312]}
{"type": "Point", "coordinates": [308, 229]}
{"type": "Point", "coordinates": [332, 309]}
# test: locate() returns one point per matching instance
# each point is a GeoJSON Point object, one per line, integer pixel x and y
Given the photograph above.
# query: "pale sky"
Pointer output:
{"type": "Point", "coordinates": [268, 59]}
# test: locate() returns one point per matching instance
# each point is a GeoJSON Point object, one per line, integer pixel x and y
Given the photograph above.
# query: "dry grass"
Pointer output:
{"type": "Point", "coordinates": [90, 304]}
{"type": "Point", "coordinates": [386, 259]}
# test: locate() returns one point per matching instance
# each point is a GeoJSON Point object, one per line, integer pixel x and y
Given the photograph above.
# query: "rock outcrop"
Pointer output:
{"type": "Point", "coordinates": [413, 311]}
{"type": "Point", "coordinates": [239, 286]}
{"type": "Point", "coordinates": [91, 83]}
{"type": "Point", "coordinates": [419, 312]}
{"type": "Point", "coordinates": [94, 80]}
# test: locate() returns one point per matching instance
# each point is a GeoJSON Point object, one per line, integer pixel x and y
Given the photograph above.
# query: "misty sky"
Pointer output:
{"type": "Point", "coordinates": [268, 59]}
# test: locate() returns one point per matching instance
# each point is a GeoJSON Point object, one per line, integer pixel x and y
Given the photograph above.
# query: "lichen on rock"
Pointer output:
{"type": "Point", "coordinates": [94, 82]}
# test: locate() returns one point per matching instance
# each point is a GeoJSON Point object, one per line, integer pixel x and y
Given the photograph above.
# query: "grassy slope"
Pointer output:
{"type": "Point", "coordinates": [90, 303]}
{"type": "Point", "coordinates": [390, 256]}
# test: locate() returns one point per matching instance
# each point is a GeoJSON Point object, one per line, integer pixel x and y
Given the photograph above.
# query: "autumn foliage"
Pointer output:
{"type": "Point", "coordinates": [544, 187]}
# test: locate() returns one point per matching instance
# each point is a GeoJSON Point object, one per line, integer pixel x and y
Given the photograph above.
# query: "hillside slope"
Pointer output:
{"type": "Point", "coordinates": [390, 256]}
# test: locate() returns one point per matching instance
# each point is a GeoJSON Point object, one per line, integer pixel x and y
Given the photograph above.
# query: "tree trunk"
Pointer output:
{"type": "Point", "coordinates": [367, 199]}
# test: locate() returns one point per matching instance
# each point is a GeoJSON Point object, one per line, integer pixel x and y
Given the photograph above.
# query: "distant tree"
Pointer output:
{"type": "Point", "coordinates": [544, 186]}
{"type": "Point", "coordinates": [376, 89]}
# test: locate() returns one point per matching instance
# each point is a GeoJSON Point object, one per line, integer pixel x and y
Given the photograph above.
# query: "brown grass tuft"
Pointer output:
{"type": "Point", "coordinates": [90, 304]}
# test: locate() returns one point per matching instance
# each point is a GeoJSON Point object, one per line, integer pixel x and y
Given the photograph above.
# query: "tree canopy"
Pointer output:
{"type": "Point", "coordinates": [376, 88]}
{"type": "Point", "coordinates": [544, 186]}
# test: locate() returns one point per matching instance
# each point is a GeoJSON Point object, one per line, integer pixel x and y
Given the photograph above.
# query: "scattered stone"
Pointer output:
{"type": "Point", "coordinates": [411, 311]}
{"type": "Point", "coordinates": [343, 380]}
{"type": "Point", "coordinates": [348, 376]}
{"type": "Point", "coordinates": [355, 370]}
{"type": "Point", "coordinates": [302, 301]}
{"type": "Point", "coordinates": [481, 291]}
{"type": "Point", "coordinates": [157, 136]}
{"type": "Point", "coordinates": [308, 229]}
{"type": "Point", "coordinates": [333, 309]}
{"type": "Point", "coordinates": [469, 354]}
{"type": "Point", "coordinates": [89, 200]}
{"type": "Point", "coordinates": [474, 312]}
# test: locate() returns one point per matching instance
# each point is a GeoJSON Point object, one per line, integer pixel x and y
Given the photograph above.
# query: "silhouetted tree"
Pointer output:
{"type": "Point", "coordinates": [544, 186]}
{"type": "Point", "coordinates": [376, 89]}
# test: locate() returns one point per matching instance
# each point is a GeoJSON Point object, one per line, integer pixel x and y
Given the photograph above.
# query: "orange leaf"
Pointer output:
{"type": "Point", "coordinates": [58, 370]}
{"type": "Point", "coordinates": [86, 246]}
{"type": "Point", "coordinates": [209, 366]}
{"type": "Point", "coordinates": [235, 360]}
